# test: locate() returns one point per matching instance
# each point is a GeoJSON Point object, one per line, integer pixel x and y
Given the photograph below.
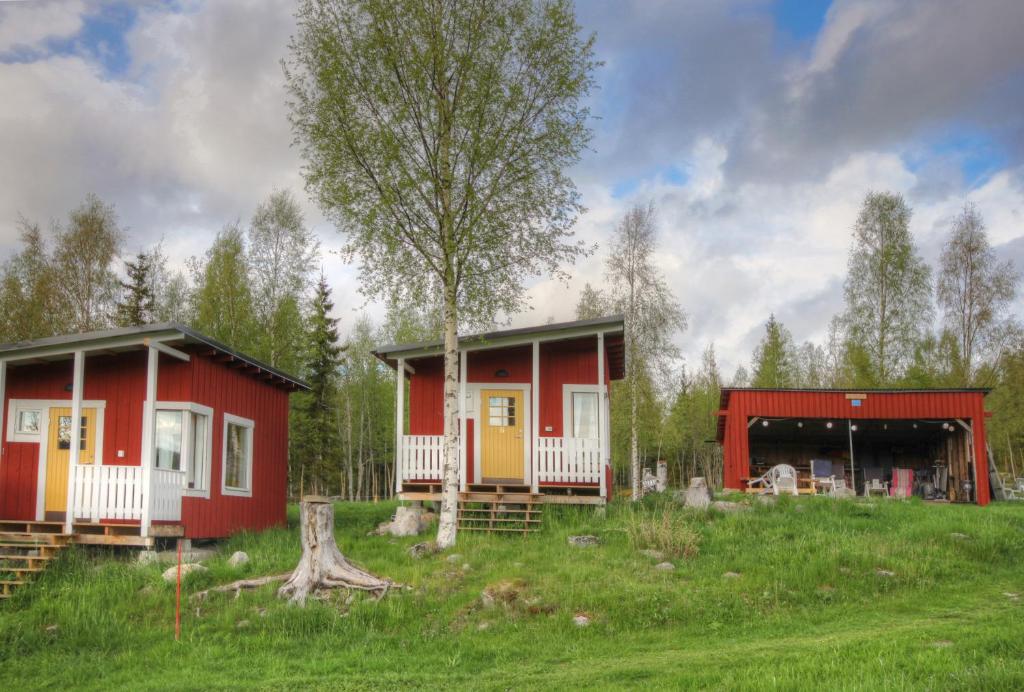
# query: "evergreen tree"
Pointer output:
{"type": "Point", "coordinates": [137, 303]}
{"type": "Point", "coordinates": [775, 360]}
{"type": "Point", "coordinates": [315, 429]}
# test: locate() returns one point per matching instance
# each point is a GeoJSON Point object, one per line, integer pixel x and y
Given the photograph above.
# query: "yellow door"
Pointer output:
{"type": "Point", "coordinates": [501, 435]}
{"type": "Point", "coordinates": [58, 453]}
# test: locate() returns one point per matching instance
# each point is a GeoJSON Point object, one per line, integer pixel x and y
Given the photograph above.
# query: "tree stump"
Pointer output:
{"type": "Point", "coordinates": [322, 566]}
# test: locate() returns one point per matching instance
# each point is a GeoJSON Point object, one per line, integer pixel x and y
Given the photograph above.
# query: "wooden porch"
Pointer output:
{"type": "Point", "coordinates": [552, 494]}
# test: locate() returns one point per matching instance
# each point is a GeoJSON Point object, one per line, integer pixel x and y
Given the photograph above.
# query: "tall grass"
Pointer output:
{"type": "Point", "coordinates": [820, 593]}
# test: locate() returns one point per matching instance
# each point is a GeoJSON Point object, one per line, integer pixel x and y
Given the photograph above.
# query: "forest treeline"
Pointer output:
{"type": "Point", "coordinates": [259, 288]}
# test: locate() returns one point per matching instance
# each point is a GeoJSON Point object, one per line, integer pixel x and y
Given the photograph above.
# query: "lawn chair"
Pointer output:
{"type": "Point", "coordinates": [784, 479]}
{"type": "Point", "coordinates": [765, 482]}
{"type": "Point", "coordinates": [876, 485]}
{"type": "Point", "coordinates": [902, 483]}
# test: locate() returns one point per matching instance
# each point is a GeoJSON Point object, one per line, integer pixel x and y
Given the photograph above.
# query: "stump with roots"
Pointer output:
{"type": "Point", "coordinates": [322, 566]}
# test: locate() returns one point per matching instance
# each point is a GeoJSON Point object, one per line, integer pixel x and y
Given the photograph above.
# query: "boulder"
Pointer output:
{"type": "Point", "coordinates": [407, 521]}
{"type": "Point", "coordinates": [581, 620]}
{"type": "Point", "coordinates": [171, 573]}
{"type": "Point", "coordinates": [584, 541]}
{"type": "Point", "coordinates": [698, 495]}
{"type": "Point", "coordinates": [238, 558]}
{"type": "Point", "coordinates": [732, 575]}
{"type": "Point", "coordinates": [665, 566]}
{"type": "Point", "coordinates": [422, 549]}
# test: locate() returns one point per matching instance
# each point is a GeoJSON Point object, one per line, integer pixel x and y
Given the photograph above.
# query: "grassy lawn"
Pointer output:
{"type": "Point", "coordinates": [851, 594]}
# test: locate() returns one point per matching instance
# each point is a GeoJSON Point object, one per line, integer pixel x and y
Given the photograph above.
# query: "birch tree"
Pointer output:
{"type": "Point", "coordinates": [436, 135]}
{"type": "Point", "coordinates": [974, 290]}
{"type": "Point", "coordinates": [888, 294]}
{"type": "Point", "coordinates": [652, 315]}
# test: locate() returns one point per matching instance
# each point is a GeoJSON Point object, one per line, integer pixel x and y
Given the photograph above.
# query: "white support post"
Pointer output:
{"type": "Point", "coordinates": [148, 423]}
{"type": "Point", "coordinates": [463, 442]}
{"type": "Point", "coordinates": [399, 420]}
{"type": "Point", "coordinates": [77, 379]}
{"type": "Point", "coordinates": [602, 423]}
{"type": "Point", "coordinates": [535, 417]}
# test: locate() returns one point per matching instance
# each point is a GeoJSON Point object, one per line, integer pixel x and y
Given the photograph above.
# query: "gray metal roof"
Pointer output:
{"type": "Point", "coordinates": [128, 336]}
{"type": "Point", "coordinates": [610, 321]}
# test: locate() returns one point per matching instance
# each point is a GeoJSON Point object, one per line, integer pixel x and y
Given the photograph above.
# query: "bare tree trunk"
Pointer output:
{"type": "Point", "coordinates": [348, 417]}
{"type": "Point", "coordinates": [322, 566]}
{"type": "Point", "coordinates": [447, 526]}
{"type": "Point", "coordinates": [634, 441]}
{"type": "Point", "coordinates": [362, 425]}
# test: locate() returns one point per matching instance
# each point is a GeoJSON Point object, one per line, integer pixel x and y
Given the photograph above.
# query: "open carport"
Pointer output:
{"type": "Point", "coordinates": [863, 436]}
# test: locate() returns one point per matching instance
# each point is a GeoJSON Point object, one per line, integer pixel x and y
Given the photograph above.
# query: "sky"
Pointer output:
{"type": "Point", "coordinates": [755, 126]}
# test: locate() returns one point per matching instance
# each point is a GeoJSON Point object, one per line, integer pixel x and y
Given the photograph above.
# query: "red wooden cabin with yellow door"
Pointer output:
{"type": "Point", "coordinates": [533, 411]}
{"type": "Point", "coordinates": [180, 435]}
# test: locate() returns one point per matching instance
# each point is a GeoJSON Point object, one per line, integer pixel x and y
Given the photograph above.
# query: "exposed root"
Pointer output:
{"type": "Point", "coordinates": [238, 586]}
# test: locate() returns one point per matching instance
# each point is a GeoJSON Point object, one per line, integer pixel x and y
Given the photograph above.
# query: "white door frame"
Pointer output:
{"type": "Point", "coordinates": [474, 407]}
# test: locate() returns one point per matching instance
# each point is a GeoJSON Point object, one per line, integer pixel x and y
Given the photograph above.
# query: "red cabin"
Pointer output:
{"type": "Point", "coordinates": [533, 411]}
{"type": "Point", "coordinates": [180, 436]}
{"type": "Point", "coordinates": [935, 438]}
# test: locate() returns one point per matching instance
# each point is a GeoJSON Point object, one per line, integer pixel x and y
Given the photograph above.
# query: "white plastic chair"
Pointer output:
{"type": "Point", "coordinates": [876, 485]}
{"type": "Point", "coordinates": [783, 479]}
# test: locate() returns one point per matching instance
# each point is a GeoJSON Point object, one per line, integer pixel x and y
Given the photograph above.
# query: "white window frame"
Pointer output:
{"type": "Point", "coordinates": [231, 419]}
{"type": "Point", "coordinates": [186, 443]}
{"type": "Point", "coordinates": [567, 391]}
{"type": "Point", "coordinates": [16, 408]}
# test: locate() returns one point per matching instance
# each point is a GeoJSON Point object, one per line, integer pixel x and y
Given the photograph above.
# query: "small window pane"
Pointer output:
{"type": "Point", "coordinates": [64, 433]}
{"type": "Point", "coordinates": [168, 440]}
{"type": "Point", "coordinates": [28, 422]}
{"type": "Point", "coordinates": [236, 472]}
{"type": "Point", "coordinates": [584, 414]}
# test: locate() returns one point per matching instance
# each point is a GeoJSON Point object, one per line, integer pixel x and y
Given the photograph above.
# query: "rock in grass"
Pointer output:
{"type": "Point", "coordinates": [505, 592]}
{"type": "Point", "coordinates": [731, 575]}
{"type": "Point", "coordinates": [1012, 596]}
{"type": "Point", "coordinates": [454, 557]}
{"type": "Point", "coordinates": [581, 620]}
{"type": "Point", "coordinates": [884, 573]}
{"type": "Point", "coordinates": [766, 499]}
{"type": "Point", "coordinates": [942, 644]}
{"type": "Point", "coordinates": [584, 541]}
{"type": "Point", "coordinates": [728, 507]}
{"type": "Point", "coordinates": [697, 496]}
{"type": "Point", "coordinates": [959, 536]}
{"type": "Point", "coordinates": [171, 573]}
{"type": "Point", "coordinates": [665, 566]}
{"type": "Point", "coordinates": [653, 554]}
{"type": "Point", "coordinates": [421, 549]}
{"type": "Point", "coordinates": [238, 558]}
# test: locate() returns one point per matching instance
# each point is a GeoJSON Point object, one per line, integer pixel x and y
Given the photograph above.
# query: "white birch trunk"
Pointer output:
{"type": "Point", "coordinates": [447, 520]}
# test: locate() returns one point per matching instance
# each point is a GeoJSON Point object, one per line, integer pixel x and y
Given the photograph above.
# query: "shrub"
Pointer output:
{"type": "Point", "coordinates": [667, 531]}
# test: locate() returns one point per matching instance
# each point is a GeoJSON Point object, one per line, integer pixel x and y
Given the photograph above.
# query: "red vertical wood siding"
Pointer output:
{"type": "Point", "coordinates": [230, 390]}
{"type": "Point", "coordinates": [561, 363]}
{"type": "Point", "coordinates": [481, 366]}
{"type": "Point", "coordinates": [743, 404]}
{"type": "Point", "coordinates": [426, 397]}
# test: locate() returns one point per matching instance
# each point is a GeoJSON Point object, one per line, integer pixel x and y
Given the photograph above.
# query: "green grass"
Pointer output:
{"type": "Point", "coordinates": [808, 610]}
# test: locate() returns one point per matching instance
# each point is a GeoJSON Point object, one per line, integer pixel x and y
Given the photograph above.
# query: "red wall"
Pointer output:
{"type": "Point", "coordinates": [743, 404]}
{"type": "Point", "coordinates": [120, 381]}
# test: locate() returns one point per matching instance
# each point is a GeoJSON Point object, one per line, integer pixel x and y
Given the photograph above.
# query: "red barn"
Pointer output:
{"type": "Point", "coordinates": [533, 411]}
{"type": "Point", "coordinates": [938, 435]}
{"type": "Point", "coordinates": [180, 436]}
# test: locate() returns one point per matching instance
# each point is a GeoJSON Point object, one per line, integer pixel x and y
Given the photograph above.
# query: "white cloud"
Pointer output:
{"type": "Point", "coordinates": [25, 25]}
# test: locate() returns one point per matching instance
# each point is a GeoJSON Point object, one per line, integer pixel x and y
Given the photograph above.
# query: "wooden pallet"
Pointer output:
{"type": "Point", "coordinates": [26, 550]}
{"type": "Point", "coordinates": [500, 509]}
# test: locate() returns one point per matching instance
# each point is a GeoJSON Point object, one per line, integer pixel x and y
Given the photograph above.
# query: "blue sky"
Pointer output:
{"type": "Point", "coordinates": [755, 126]}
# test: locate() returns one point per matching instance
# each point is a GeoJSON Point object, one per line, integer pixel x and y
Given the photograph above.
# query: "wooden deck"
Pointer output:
{"type": "Point", "coordinates": [430, 491]}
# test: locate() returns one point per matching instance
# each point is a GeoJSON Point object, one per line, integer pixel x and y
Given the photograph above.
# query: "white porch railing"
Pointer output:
{"type": "Point", "coordinates": [116, 492]}
{"type": "Point", "coordinates": [568, 460]}
{"type": "Point", "coordinates": [107, 492]}
{"type": "Point", "coordinates": [168, 489]}
{"type": "Point", "coordinates": [422, 457]}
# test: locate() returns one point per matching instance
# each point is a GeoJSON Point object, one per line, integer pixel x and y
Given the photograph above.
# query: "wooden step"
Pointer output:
{"type": "Point", "coordinates": [500, 511]}
{"type": "Point", "coordinates": [21, 570]}
{"type": "Point", "coordinates": [503, 530]}
{"type": "Point", "coordinates": [31, 539]}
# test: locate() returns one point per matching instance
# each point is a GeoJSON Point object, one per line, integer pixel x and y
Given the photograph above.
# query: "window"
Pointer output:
{"type": "Point", "coordinates": [28, 421]}
{"type": "Point", "coordinates": [584, 415]}
{"type": "Point", "coordinates": [237, 456]}
{"type": "Point", "coordinates": [181, 442]}
{"type": "Point", "coordinates": [64, 432]}
{"type": "Point", "coordinates": [502, 411]}
{"type": "Point", "coordinates": [168, 440]}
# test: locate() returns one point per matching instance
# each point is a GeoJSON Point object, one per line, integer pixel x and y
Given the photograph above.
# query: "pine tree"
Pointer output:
{"type": "Point", "coordinates": [316, 440]}
{"type": "Point", "coordinates": [137, 304]}
{"type": "Point", "coordinates": [775, 360]}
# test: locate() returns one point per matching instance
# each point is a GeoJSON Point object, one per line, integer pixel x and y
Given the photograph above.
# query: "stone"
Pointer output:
{"type": "Point", "coordinates": [728, 507]}
{"type": "Point", "coordinates": [454, 557]}
{"type": "Point", "coordinates": [581, 620]}
{"type": "Point", "coordinates": [52, 629]}
{"type": "Point", "coordinates": [148, 557]}
{"type": "Point", "coordinates": [884, 573]}
{"type": "Point", "coordinates": [407, 521]}
{"type": "Point", "coordinates": [584, 541]}
{"type": "Point", "coordinates": [422, 549]}
{"type": "Point", "coordinates": [483, 625]}
{"type": "Point", "coordinates": [1012, 596]}
{"type": "Point", "coordinates": [242, 624]}
{"type": "Point", "coordinates": [959, 536]}
{"type": "Point", "coordinates": [466, 567]}
{"type": "Point", "coordinates": [238, 558]}
{"type": "Point", "coordinates": [732, 575]}
{"type": "Point", "coordinates": [171, 573]}
{"type": "Point", "coordinates": [698, 495]}
{"type": "Point", "coordinates": [653, 554]}
{"type": "Point", "coordinates": [665, 566]}
{"type": "Point", "coordinates": [942, 644]}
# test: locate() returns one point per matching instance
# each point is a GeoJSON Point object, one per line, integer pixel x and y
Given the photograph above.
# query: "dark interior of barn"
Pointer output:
{"type": "Point", "coordinates": [935, 452]}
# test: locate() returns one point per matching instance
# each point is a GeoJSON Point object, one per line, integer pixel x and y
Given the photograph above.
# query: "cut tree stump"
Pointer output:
{"type": "Point", "coordinates": [322, 566]}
